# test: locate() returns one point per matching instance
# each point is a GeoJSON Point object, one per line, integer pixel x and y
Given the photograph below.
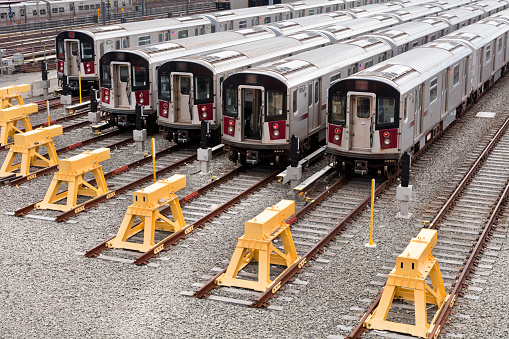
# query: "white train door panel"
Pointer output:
{"type": "Point", "coordinates": [418, 113]}
{"type": "Point", "coordinates": [122, 84]}
{"type": "Point", "coordinates": [251, 111]}
{"type": "Point", "coordinates": [182, 85]}
{"type": "Point", "coordinates": [72, 56]}
{"type": "Point", "coordinates": [362, 111]}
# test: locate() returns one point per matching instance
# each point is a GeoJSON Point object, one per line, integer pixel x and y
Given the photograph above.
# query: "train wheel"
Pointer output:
{"type": "Point", "coordinates": [242, 159]}
{"type": "Point", "coordinates": [279, 162]}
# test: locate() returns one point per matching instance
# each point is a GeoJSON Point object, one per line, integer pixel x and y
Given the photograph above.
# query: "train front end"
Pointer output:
{"type": "Point", "coordinates": [255, 118]}
{"type": "Point", "coordinates": [125, 82]}
{"type": "Point", "coordinates": [363, 125]}
{"type": "Point", "coordinates": [76, 56]}
{"type": "Point", "coordinates": [186, 98]}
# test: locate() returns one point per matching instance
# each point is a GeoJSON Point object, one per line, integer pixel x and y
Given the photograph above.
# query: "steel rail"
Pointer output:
{"type": "Point", "coordinates": [172, 239]}
{"type": "Point", "coordinates": [359, 329]}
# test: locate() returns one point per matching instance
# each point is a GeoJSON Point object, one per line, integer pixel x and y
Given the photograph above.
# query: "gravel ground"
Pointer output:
{"type": "Point", "coordinates": [48, 290]}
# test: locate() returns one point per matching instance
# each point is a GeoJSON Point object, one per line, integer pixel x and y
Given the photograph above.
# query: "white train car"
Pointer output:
{"type": "Point", "coordinates": [399, 105]}
{"type": "Point", "coordinates": [263, 107]}
{"type": "Point", "coordinates": [182, 113]}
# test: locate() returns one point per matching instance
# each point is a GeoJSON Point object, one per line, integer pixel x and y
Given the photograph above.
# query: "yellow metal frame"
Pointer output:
{"type": "Point", "coordinates": [27, 145]}
{"type": "Point", "coordinates": [256, 246]}
{"type": "Point", "coordinates": [146, 204]}
{"type": "Point", "coordinates": [407, 281]}
{"type": "Point", "coordinates": [7, 94]}
{"type": "Point", "coordinates": [9, 118]}
{"type": "Point", "coordinates": [72, 172]}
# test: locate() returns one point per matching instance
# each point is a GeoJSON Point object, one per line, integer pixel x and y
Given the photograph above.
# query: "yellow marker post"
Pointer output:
{"type": "Point", "coordinates": [98, 17]}
{"type": "Point", "coordinates": [79, 77]}
{"type": "Point", "coordinates": [371, 244]}
{"type": "Point", "coordinates": [154, 158]}
{"type": "Point", "coordinates": [47, 112]}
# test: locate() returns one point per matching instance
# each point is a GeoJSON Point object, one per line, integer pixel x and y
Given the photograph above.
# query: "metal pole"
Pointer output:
{"type": "Point", "coordinates": [154, 158]}
{"type": "Point", "coordinates": [187, 7]}
{"type": "Point", "coordinates": [38, 12]}
{"type": "Point", "coordinates": [371, 244]}
{"type": "Point", "coordinates": [79, 78]}
{"type": "Point", "coordinates": [104, 13]}
{"type": "Point", "coordinates": [1, 64]}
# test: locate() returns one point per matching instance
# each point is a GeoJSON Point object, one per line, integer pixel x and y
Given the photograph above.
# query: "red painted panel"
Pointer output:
{"type": "Point", "coordinates": [205, 112]}
{"type": "Point", "coordinates": [89, 67]}
{"type": "Point", "coordinates": [162, 106]}
{"type": "Point", "coordinates": [277, 130]}
{"type": "Point", "coordinates": [142, 95]}
{"type": "Point", "coordinates": [335, 130]}
{"type": "Point", "coordinates": [105, 95]}
{"type": "Point", "coordinates": [393, 137]}
{"type": "Point", "coordinates": [227, 122]}
{"type": "Point", "coordinates": [61, 66]}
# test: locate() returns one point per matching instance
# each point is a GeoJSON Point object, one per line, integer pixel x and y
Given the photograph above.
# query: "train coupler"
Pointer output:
{"type": "Point", "coordinates": [361, 167]}
{"type": "Point", "coordinates": [256, 245]}
{"type": "Point", "coordinates": [407, 281]}
{"type": "Point", "coordinates": [182, 137]}
{"type": "Point", "coordinates": [9, 118]}
{"type": "Point", "coordinates": [7, 94]}
{"type": "Point", "coordinates": [97, 128]}
{"type": "Point", "coordinates": [252, 157]}
{"type": "Point", "coordinates": [71, 172]}
{"type": "Point", "coordinates": [146, 204]}
{"type": "Point", "coordinates": [27, 146]}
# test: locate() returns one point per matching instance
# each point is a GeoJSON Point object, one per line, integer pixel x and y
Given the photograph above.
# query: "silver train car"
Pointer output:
{"type": "Point", "coordinates": [181, 113]}
{"type": "Point", "coordinates": [78, 51]}
{"type": "Point", "coordinates": [28, 11]}
{"type": "Point", "coordinates": [399, 105]}
{"type": "Point", "coordinates": [263, 107]}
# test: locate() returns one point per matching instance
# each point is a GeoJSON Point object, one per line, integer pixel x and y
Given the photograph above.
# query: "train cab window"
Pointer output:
{"type": "Point", "coordinates": [274, 104]}
{"type": "Point", "coordinates": [386, 110]}
{"type": "Point", "coordinates": [488, 53]}
{"type": "Point", "coordinates": [60, 48]}
{"type": "Point", "coordinates": [164, 86]}
{"type": "Point", "coordinates": [294, 101]}
{"type": "Point", "coordinates": [338, 114]}
{"type": "Point", "coordinates": [310, 95]}
{"type": "Point", "coordinates": [243, 24]}
{"type": "Point", "coordinates": [87, 51]}
{"type": "Point", "coordinates": [54, 10]}
{"type": "Point", "coordinates": [105, 76]}
{"type": "Point", "coordinates": [183, 34]}
{"type": "Point", "coordinates": [433, 90]}
{"type": "Point", "coordinates": [316, 92]}
{"type": "Point", "coordinates": [185, 85]}
{"type": "Point", "coordinates": [230, 101]}
{"type": "Point", "coordinates": [140, 76]}
{"type": "Point", "coordinates": [125, 43]}
{"type": "Point", "coordinates": [61, 9]}
{"type": "Point", "coordinates": [266, 20]}
{"type": "Point", "coordinates": [202, 88]}
{"type": "Point", "coordinates": [456, 75]}
{"type": "Point", "coordinates": [363, 107]}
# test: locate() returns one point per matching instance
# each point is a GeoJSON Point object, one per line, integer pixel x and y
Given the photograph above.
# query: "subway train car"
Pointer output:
{"type": "Point", "coordinates": [182, 112]}
{"type": "Point", "coordinates": [252, 131]}
{"type": "Point", "coordinates": [399, 105]}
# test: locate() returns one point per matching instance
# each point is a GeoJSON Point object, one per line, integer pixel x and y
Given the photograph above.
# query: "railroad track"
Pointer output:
{"type": "Point", "coordinates": [466, 216]}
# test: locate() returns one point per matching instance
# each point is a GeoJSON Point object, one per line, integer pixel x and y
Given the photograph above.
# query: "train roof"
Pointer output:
{"type": "Point", "coordinates": [456, 15]}
{"type": "Point", "coordinates": [411, 68]}
{"type": "Point", "coordinates": [477, 34]}
{"type": "Point", "coordinates": [310, 65]}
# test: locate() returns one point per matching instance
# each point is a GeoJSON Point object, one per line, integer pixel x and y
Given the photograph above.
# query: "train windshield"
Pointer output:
{"type": "Point", "coordinates": [105, 76]}
{"type": "Point", "coordinates": [230, 101]}
{"type": "Point", "coordinates": [60, 49]}
{"type": "Point", "coordinates": [164, 86]}
{"type": "Point", "coordinates": [338, 114]}
{"type": "Point", "coordinates": [386, 111]}
{"type": "Point", "coordinates": [87, 52]}
{"type": "Point", "coordinates": [140, 76]}
{"type": "Point", "coordinates": [274, 104]}
{"type": "Point", "coordinates": [202, 88]}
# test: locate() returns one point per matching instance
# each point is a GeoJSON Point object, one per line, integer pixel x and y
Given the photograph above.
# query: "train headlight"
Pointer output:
{"type": "Point", "coordinates": [230, 129]}
{"type": "Point", "coordinates": [165, 111]}
{"type": "Point", "coordinates": [275, 126]}
{"type": "Point", "coordinates": [88, 70]}
{"type": "Point", "coordinates": [141, 100]}
{"type": "Point", "coordinates": [336, 137]}
{"type": "Point", "coordinates": [387, 142]}
{"type": "Point", "coordinates": [276, 133]}
{"type": "Point", "coordinates": [230, 122]}
{"type": "Point", "coordinates": [386, 135]}
{"type": "Point", "coordinates": [107, 98]}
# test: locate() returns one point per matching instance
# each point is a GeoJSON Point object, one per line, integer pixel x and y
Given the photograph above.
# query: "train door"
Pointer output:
{"type": "Point", "coordinates": [445, 92]}
{"type": "Point", "coordinates": [72, 56]}
{"type": "Point", "coordinates": [122, 84]}
{"type": "Point", "coordinates": [418, 112]}
{"type": "Point", "coordinates": [182, 84]}
{"type": "Point", "coordinates": [362, 108]}
{"type": "Point", "coordinates": [251, 112]}
{"type": "Point", "coordinates": [314, 107]}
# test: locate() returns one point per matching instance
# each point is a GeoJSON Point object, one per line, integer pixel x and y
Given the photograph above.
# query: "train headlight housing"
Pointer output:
{"type": "Point", "coordinates": [165, 111]}
{"type": "Point", "coordinates": [230, 129]}
{"type": "Point", "coordinates": [275, 133]}
{"type": "Point", "coordinates": [336, 137]}
{"type": "Point", "coordinates": [387, 142]}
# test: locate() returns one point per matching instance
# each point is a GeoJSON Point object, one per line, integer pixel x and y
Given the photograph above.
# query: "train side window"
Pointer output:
{"type": "Point", "coordinates": [213, 29]}
{"type": "Point", "coordinates": [144, 40]}
{"type": "Point", "coordinates": [43, 11]}
{"type": "Point", "coordinates": [243, 24]}
{"type": "Point", "coordinates": [433, 37]}
{"type": "Point", "coordinates": [316, 92]}
{"type": "Point", "coordinates": [335, 77]}
{"type": "Point", "coordinates": [499, 45]}
{"type": "Point", "coordinates": [117, 44]}
{"type": "Point", "coordinates": [71, 8]}
{"type": "Point", "coordinates": [488, 53]}
{"type": "Point", "coordinates": [327, 10]}
{"type": "Point", "coordinates": [33, 13]}
{"type": "Point", "coordinates": [54, 10]}
{"type": "Point", "coordinates": [80, 7]}
{"type": "Point", "coordinates": [274, 103]}
{"type": "Point", "coordinates": [125, 43]}
{"type": "Point", "coordinates": [230, 101]}
{"type": "Point", "coordinates": [98, 6]}
{"type": "Point", "coordinates": [368, 63]}
{"type": "Point", "coordinates": [266, 20]}
{"type": "Point", "coordinates": [311, 12]}
{"type": "Point", "coordinates": [61, 9]}
{"type": "Point", "coordinates": [310, 95]}
{"type": "Point", "coordinates": [338, 114]}
{"type": "Point", "coordinates": [160, 36]}
{"type": "Point", "coordinates": [433, 90]}
{"type": "Point", "coordinates": [386, 110]}
{"type": "Point", "coordinates": [166, 36]}
{"type": "Point", "coordinates": [183, 34]}
{"type": "Point", "coordinates": [456, 75]}
{"type": "Point", "coordinates": [294, 101]}
{"type": "Point", "coordinates": [415, 44]}
{"type": "Point", "coordinates": [87, 7]}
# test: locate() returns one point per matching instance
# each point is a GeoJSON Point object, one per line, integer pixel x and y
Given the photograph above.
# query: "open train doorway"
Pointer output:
{"type": "Point", "coordinates": [122, 84]}
{"type": "Point", "coordinates": [252, 112]}
{"type": "Point", "coordinates": [72, 56]}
